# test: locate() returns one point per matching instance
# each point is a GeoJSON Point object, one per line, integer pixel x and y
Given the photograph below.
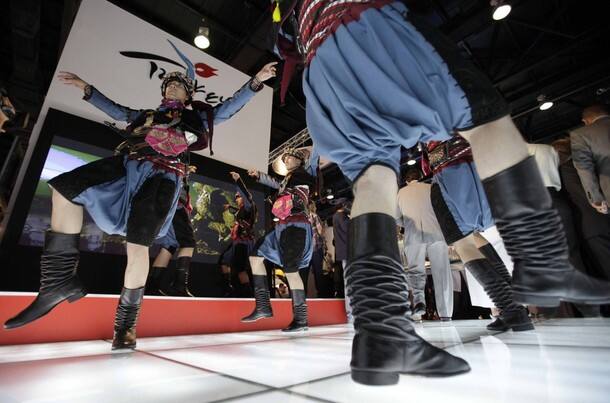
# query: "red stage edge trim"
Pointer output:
{"type": "Point", "coordinates": [92, 317]}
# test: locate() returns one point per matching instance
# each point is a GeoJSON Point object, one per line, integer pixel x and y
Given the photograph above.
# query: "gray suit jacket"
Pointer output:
{"type": "Point", "coordinates": [591, 156]}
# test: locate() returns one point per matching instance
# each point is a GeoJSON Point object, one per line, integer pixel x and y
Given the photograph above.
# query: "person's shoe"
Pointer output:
{"type": "Point", "coordinates": [386, 344]}
{"type": "Point", "coordinates": [153, 284]}
{"type": "Point", "coordinates": [262, 308]}
{"type": "Point", "coordinates": [299, 312]}
{"type": "Point", "coordinates": [126, 317]}
{"type": "Point", "coordinates": [181, 281]}
{"type": "Point", "coordinates": [58, 279]}
{"type": "Point", "coordinates": [518, 320]}
{"type": "Point", "coordinates": [534, 237]}
{"type": "Point", "coordinates": [419, 310]}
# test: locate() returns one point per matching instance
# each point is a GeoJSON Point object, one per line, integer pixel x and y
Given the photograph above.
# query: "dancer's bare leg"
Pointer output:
{"type": "Point", "coordinates": [162, 259]}
{"type": "Point", "coordinates": [66, 217]}
{"type": "Point", "coordinates": [496, 146]}
{"type": "Point", "coordinates": [375, 192]}
{"type": "Point", "coordinates": [137, 266]}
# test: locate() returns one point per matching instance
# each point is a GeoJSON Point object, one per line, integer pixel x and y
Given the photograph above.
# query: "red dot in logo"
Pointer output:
{"type": "Point", "coordinates": [205, 71]}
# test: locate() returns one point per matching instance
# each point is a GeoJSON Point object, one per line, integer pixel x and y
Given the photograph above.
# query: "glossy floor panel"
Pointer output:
{"type": "Point", "coordinates": [563, 360]}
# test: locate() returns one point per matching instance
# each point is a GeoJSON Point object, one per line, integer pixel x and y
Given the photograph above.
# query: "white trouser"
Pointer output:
{"type": "Point", "coordinates": [438, 254]}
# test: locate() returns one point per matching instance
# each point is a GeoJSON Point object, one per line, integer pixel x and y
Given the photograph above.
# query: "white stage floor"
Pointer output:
{"type": "Point", "coordinates": [563, 360]}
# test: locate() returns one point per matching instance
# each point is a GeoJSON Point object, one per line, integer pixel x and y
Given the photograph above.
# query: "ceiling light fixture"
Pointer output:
{"type": "Point", "coordinates": [500, 9]}
{"type": "Point", "coordinates": [411, 162]}
{"type": "Point", "coordinates": [202, 40]}
{"type": "Point", "coordinates": [544, 103]}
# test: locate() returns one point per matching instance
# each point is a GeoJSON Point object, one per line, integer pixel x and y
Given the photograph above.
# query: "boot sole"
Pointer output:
{"type": "Point", "coordinates": [301, 329]}
{"type": "Point", "coordinates": [376, 378]}
{"type": "Point", "coordinates": [256, 320]}
{"type": "Point", "coordinates": [523, 328]}
{"type": "Point", "coordinates": [77, 296]}
{"type": "Point", "coordinates": [550, 302]}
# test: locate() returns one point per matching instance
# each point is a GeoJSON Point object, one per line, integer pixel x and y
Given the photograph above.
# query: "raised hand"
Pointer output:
{"type": "Point", "coordinates": [253, 173]}
{"type": "Point", "coordinates": [235, 176]}
{"type": "Point", "coordinates": [268, 71]}
{"type": "Point", "coordinates": [72, 79]}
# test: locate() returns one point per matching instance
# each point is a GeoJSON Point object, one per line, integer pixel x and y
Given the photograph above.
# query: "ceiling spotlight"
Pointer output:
{"type": "Point", "coordinates": [544, 103]}
{"type": "Point", "coordinates": [500, 9]}
{"type": "Point", "coordinates": [329, 194]}
{"type": "Point", "coordinates": [202, 40]}
{"type": "Point", "coordinates": [275, 219]}
{"type": "Point", "coordinates": [411, 162]}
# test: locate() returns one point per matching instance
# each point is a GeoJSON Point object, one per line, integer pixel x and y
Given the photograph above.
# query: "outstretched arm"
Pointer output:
{"type": "Point", "coordinates": [243, 190]}
{"type": "Point", "coordinates": [264, 179]}
{"type": "Point", "coordinates": [231, 106]}
{"type": "Point", "coordinates": [99, 100]}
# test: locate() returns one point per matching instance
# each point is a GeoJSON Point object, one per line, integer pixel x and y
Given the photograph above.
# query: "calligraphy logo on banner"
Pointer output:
{"type": "Point", "coordinates": [201, 69]}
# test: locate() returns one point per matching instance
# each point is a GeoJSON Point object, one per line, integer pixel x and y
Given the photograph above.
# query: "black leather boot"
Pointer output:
{"type": "Point", "coordinates": [299, 312]}
{"type": "Point", "coordinates": [153, 283]}
{"type": "Point", "coordinates": [179, 287]}
{"type": "Point", "coordinates": [227, 287]}
{"type": "Point", "coordinates": [534, 237]}
{"type": "Point", "coordinates": [492, 256]}
{"type": "Point", "coordinates": [263, 301]}
{"type": "Point", "coordinates": [58, 279]}
{"type": "Point", "coordinates": [513, 316]}
{"type": "Point", "coordinates": [126, 318]}
{"type": "Point", "coordinates": [386, 344]}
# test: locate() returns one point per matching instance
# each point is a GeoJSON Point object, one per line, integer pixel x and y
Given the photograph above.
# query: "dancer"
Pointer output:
{"type": "Point", "coordinates": [290, 243]}
{"type": "Point", "coordinates": [462, 210]}
{"type": "Point", "coordinates": [235, 257]}
{"type": "Point", "coordinates": [133, 195]}
{"type": "Point", "coordinates": [377, 78]}
{"type": "Point", "coordinates": [181, 237]}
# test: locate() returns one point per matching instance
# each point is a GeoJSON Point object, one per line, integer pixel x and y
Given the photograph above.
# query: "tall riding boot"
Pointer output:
{"type": "Point", "coordinates": [227, 287]}
{"type": "Point", "coordinates": [492, 256]}
{"type": "Point", "coordinates": [385, 344]}
{"type": "Point", "coordinates": [299, 312]}
{"type": "Point", "coordinates": [534, 237]}
{"type": "Point", "coordinates": [513, 316]}
{"type": "Point", "coordinates": [180, 286]}
{"type": "Point", "coordinates": [58, 279]}
{"type": "Point", "coordinates": [263, 301]}
{"type": "Point", "coordinates": [126, 318]}
{"type": "Point", "coordinates": [153, 283]}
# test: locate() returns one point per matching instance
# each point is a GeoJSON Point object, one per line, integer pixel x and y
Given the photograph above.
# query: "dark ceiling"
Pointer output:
{"type": "Point", "coordinates": [556, 48]}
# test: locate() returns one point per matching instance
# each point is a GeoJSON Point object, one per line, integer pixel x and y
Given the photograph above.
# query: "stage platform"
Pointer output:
{"type": "Point", "coordinates": [563, 360]}
{"type": "Point", "coordinates": [92, 317]}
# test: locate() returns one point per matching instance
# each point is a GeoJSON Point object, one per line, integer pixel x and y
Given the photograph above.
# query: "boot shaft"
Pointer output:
{"type": "Point", "coordinates": [128, 308]}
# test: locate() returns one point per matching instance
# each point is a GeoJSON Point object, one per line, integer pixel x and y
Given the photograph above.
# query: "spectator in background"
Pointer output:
{"type": "Point", "coordinates": [547, 160]}
{"type": "Point", "coordinates": [423, 236]}
{"type": "Point", "coordinates": [591, 155]}
{"type": "Point", "coordinates": [594, 227]}
{"type": "Point", "coordinates": [340, 232]}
